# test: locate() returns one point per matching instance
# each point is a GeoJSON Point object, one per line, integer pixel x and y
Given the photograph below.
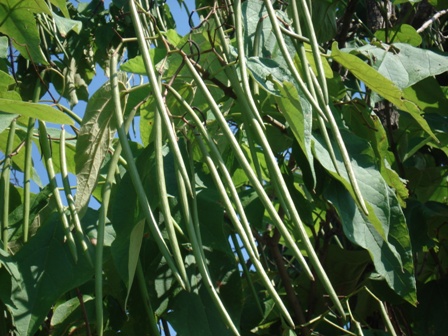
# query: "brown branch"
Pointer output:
{"type": "Point", "coordinates": [272, 243]}
{"type": "Point", "coordinates": [346, 23]}
{"type": "Point", "coordinates": [393, 145]}
{"type": "Point", "coordinates": [84, 312]}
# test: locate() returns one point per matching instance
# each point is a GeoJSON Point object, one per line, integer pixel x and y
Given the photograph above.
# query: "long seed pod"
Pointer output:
{"type": "Point", "coordinates": [4, 185]}
{"type": "Point", "coordinates": [154, 80]}
{"type": "Point", "coordinates": [136, 181]}
{"type": "Point", "coordinates": [45, 145]}
{"type": "Point", "coordinates": [165, 207]}
{"type": "Point", "coordinates": [71, 201]}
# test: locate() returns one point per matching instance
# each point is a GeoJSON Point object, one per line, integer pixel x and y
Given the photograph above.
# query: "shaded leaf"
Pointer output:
{"type": "Point", "coordinates": [42, 281]}
{"type": "Point", "coordinates": [324, 19]}
{"type": "Point", "coordinates": [430, 316]}
{"type": "Point", "coordinates": [192, 315]}
{"type": "Point", "coordinates": [368, 126]}
{"type": "Point", "coordinates": [384, 233]}
{"type": "Point", "coordinates": [398, 272]}
{"type": "Point", "coordinates": [69, 316]}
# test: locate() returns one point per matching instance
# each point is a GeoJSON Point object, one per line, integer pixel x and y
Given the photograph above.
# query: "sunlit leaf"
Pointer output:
{"type": "Point", "coordinates": [298, 113]}
{"type": "Point", "coordinates": [62, 5]}
{"type": "Point", "coordinates": [94, 140]}
{"type": "Point", "coordinates": [33, 110]}
{"type": "Point", "coordinates": [404, 64]}
{"type": "Point", "coordinates": [66, 25]}
{"type": "Point", "coordinates": [18, 22]}
{"type": "Point", "coordinates": [381, 85]}
{"type": "Point", "coordinates": [403, 33]}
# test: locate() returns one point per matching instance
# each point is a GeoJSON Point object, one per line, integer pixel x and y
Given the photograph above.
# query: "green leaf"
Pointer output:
{"type": "Point", "coordinates": [4, 46]}
{"type": "Point", "coordinates": [403, 33]}
{"type": "Point", "coordinates": [345, 268]}
{"type": "Point", "coordinates": [136, 65]}
{"type": "Point", "coordinates": [11, 266]}
{"type": "Point", "coordinates": [298, 113]}
{"type": "Point", "coordinates": [371, 183]}
{"type": "Point", "coordinates": [42, 280]}
{"type": "Point", "coordinates": [384, 233]}
{"type": "Point", "coordinates": [147, 115]}
{"type": "Point", "coordinates": [393, 259]}
{"type": "Point", "coordinates": [266, 71]}
{"type": "Point", "coordinates": [5, 120]}
{"type": "Point", "coordinates": [254, 14]}
{"type": "Point", "coordinates": [324, 19]}
{"type": "Point", "coordinates": [62, 5]}
{"type": "Point", "coordinates": [94, 140]}
{"type": "Point", "coordinates": [33, 110]}
{"type": "Point", "coordinates": [428, 96]}
{"type": "Point", "coordinates": [18, 159]}
{"type": "Point", "coordinates": [381, 85]}
{"type": "Point", "coordinates": [439, 4]}
{"type": "Point", "coordinates": [430, 316]}
{"type": "Point", "coordinates": [70, 315]}
{"type": "Point", "coordinates": [135, 243]}
{"type": "Point", "coordinates": [404, 64]}
{"type": "Point", "coordinates": [368, 126]}
{"type": "Point", "coordinates": [70, 152]}
{"type": "Point", "coordinates": [72, 86]}
{"type": "Point", "coordinates": [17, 21]}
{"type": "Point", "coordinates": [192, 314]}
{"type": "Point", "coordinates": [66, 25]}
{"type": "Point", "coordinates": [417, 216]}
{"type": "Point", "coordinates": [428, 183]}
{"type": "Point", "coordinates": [37, 203]}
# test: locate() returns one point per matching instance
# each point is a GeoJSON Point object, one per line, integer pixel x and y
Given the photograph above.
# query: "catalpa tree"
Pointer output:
{"type": "Point", "coordinates": [281, 169]}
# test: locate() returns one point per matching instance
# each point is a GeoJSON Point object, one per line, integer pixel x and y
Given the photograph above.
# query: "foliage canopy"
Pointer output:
{"type": "Point", "coordinates": [288, 175]}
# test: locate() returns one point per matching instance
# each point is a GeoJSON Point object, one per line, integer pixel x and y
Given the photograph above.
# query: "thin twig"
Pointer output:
{"type": "Point", "coordinates": [272, 242]}
{"type": "Point", "coordinates": [84, 312]}
{"type": "Point", "coordinates": [431, 20]}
